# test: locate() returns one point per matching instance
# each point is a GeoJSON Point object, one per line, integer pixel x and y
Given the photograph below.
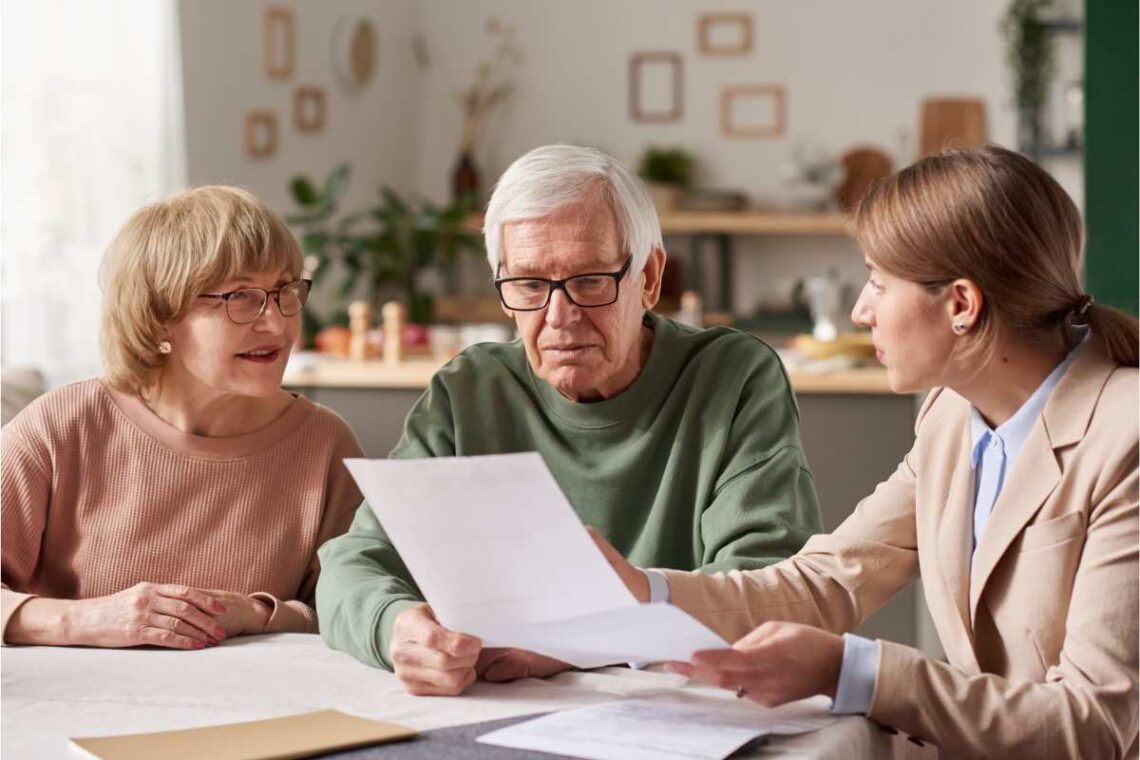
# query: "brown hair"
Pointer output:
{"type": "Point", "coordinates": [169, 253]}
{"type": "Point", "coordinates": [993, 217]}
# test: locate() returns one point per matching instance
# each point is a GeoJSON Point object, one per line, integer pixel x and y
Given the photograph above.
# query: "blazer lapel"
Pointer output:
{"type": "Point", "coordinates": [955, 536]}
{"type": "Point", "coordinates": [1034, 476]}
{"type": "Point", "coordinates": [1037, 471]}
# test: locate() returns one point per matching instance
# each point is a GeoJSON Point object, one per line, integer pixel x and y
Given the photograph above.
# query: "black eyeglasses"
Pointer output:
{"type": "Point", "coordinates": [589, 290]}
{"type": "Point", "coordinates": [246, 305]}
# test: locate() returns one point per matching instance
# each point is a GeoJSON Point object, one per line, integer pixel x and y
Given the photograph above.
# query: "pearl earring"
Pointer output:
{"type": "Point", "coordinates": [165, 347]}
{"type": "Point", "coordinates": [959, 328]}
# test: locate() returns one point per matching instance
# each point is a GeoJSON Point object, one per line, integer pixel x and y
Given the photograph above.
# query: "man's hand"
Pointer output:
{"type": "Point", "coordinates": [499, 665]}
{"type": "Point", "coordinates": [429, 659]}
{"type": "Point", "coordinates": [633, 578]}
{"type": "Point", "coordinates": [776, 663]}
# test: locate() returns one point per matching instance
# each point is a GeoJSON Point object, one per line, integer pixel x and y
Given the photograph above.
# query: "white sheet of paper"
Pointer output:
{"type": "Point", "coordinates": [499, 553]}
{"type": "Point", "coordinates": [649, 729]}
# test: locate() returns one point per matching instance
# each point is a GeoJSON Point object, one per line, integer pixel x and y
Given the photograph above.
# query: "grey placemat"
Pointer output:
{"type": "Point", "coordinates": [455, 742]}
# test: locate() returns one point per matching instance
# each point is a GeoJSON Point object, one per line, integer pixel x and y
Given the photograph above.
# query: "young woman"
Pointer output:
{"type": "Point", "coordinates": [182, 498]}
{"type": "Point", "coordinates": [1017, 505]}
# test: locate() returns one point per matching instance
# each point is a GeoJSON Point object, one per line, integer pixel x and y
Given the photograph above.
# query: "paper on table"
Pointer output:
{"type": "Point", "coordinates": [274, 739]}
{"type": "Point", "coordinates": [499, 553]}
{"type": "Point", "coordinates": [644, 729]}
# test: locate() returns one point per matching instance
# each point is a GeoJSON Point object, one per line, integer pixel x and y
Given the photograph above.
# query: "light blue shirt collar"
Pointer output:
{"type": "Point", "coordinates": [1016, 429]}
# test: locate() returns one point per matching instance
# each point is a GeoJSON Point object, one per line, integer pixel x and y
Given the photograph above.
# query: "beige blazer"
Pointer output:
{"type": "Point", "coordinates": [1040, 629]}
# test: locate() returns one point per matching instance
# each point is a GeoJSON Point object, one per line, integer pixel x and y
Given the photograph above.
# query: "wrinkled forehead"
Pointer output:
{"type": "Point", "coordinates": [574, 239]}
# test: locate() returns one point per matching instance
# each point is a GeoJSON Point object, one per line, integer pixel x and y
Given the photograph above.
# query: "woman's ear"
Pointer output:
{"type": "Point", "coordinates": [653, 270]}
{"type": "Point", "coordinates": [964, 306]}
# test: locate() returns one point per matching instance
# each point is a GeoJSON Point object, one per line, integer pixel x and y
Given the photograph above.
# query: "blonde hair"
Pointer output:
{"type": "Point", "coordinates": [993, 217]}
{"type": "Point", "coordinates": [166, 255]}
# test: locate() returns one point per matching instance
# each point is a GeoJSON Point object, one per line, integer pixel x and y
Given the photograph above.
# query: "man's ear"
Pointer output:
{"type": "Point", "coordinates": [653, 270]}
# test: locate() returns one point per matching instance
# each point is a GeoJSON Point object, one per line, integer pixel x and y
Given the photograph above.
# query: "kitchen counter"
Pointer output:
{"type": "Point", "coordinates": [415, 373]}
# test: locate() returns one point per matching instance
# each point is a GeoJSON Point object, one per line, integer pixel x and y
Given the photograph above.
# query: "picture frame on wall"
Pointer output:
{"type": "Point", "coordinates": [656, 87]}
{"type": "Point", "coordinates": [756, 111]}
{"type": "Point", "coordinates": [309, 108]}
{"type": "Point", "coordinates": [724, 34]}
{"type": "Point", "coordinates": [260, 134]}
{"type": "Point", "coordinates": [280, 40]}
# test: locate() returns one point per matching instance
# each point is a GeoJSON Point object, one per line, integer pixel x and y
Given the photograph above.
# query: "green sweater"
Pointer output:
{"type": "Point", "coordinates": [698, 464]}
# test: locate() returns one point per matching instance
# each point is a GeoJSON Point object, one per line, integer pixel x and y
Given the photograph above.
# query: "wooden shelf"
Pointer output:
{"type": "Point", "coordinates": [753, 223]}
{"type": "Point", "coordinates": [741, 223]}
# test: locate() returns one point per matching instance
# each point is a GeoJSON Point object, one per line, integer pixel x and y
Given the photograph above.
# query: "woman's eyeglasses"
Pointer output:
{"type": "Point", "coordinates": [247, 304]}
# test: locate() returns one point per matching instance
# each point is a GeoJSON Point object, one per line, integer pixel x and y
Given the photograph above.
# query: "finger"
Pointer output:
{"type": "Point", "coordinates": [725, 659]}
{"type": "Point", "coordinates": [189, 613]}
{"type": "Point", "coordinates": [198, 598]}
{"type": "Point", "coordinates": [426, 681]}
{"type": "Point", "coordinates": [455, 644]}
{"type": "Point", "coordinates": [680, 668]}
{"type": "Point", "coordinates": [178, 626]}
{"type": "Point", "coordinates": [417, 655]}
{"type": "Point", "coordinates": [510, 668]}
{"type": "Point", "coordinates": [759, 634]}
{"type": "Point", "coordinates": [162, 637]}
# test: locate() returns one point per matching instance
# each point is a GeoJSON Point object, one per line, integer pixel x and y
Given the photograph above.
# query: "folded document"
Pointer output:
{"type": "Point", "coordinates": [500, 554]}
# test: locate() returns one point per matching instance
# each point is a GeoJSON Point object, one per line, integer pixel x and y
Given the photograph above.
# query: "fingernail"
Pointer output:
{"type": "Point", "coordinates": [219, 607]}
{"type": "Point", "coordinates": [219, 633]}
{"type": "Point", "coordinates": [199, 645]}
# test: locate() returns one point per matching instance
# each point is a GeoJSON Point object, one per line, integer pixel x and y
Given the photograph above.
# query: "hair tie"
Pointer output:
{"type": "Point", "coordinates": [1083, 305]}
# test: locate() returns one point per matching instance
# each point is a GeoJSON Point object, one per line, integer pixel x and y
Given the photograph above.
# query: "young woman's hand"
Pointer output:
{"type": "Point", "coordinates": [633, 578]}
{"type": "Point", "coordinates": [776, 663]}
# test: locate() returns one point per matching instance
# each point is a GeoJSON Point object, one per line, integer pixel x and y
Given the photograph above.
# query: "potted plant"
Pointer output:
{"type": "Point", "coordinates": [385, 246]}
{"type": "Point", "coordinates": [1029, 51]}
{"type": "Point", "coordinates": [669, 172]}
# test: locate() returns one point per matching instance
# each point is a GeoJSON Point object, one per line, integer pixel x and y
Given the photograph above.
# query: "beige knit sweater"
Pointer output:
{"type": "Point", "coordinates": [100, 494]}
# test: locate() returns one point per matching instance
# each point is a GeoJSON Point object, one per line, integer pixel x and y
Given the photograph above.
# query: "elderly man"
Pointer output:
{"type": "Point", "coordinates": [680, 446]}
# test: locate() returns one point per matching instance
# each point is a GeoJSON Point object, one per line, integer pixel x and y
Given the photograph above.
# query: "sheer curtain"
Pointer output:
{"type": "Point", "coordinates": [92, 128]}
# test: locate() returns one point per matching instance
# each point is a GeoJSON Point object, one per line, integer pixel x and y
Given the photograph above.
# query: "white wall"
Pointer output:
{"type": "Point", "coordinates": [854, 72]}
{"type": "Point", "coordinates": [224, 78]}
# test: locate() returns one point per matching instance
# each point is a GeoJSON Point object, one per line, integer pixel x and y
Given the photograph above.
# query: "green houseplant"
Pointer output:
{"type": "Point", "coordinates": [668, 171]}
{"type": "Point", "coordinates": [382, 247]}
{"type": "Point", "coordinates": [1030, 53]}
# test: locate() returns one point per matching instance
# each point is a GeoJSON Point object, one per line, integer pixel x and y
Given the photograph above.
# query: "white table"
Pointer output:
{"type": "Point", "coordinates": [51, 694]}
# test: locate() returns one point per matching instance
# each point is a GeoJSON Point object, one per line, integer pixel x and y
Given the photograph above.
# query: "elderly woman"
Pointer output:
{"type": "Point", "coordinates": [180, 499]}
{"type": "Point", "coordinates": [681, 445]}
{"type": "Point", "coordinates": [1017, 504]}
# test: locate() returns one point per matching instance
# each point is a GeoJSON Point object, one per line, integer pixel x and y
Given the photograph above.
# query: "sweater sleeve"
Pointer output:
{"type": "Point", "coordinates": [25, 483]}
{"type": "Point", "coordinates": [764, 506]}
{"type": "Point", "coordinates": [341, 499]}
{"type": "Point", "coordinates": [364, 584]}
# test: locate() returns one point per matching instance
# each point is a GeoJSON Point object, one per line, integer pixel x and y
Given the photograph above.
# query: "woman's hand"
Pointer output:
{"type": "Point", "coordinates": [243, 614]}
{"type": "Point", "coordinates": [633, 578]}
{"type": "Point", "coordinates": [164, 615]}
{"type": "Point", "coordinates": [776, 663]}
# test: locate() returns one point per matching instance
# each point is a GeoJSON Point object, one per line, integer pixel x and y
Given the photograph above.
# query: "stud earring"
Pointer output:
{"type": "Point", "coordinates": [164, 347]}
{"type": "Point", "coordinates": [959, 328]}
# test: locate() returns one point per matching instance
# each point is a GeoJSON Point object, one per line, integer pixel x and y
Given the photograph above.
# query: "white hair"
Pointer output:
{"type": "Point", "coordinates": [555, 177]}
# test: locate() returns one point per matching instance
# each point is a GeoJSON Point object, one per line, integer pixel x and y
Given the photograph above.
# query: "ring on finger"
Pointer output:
{"type": "Point", "coordinates": [741, 692]}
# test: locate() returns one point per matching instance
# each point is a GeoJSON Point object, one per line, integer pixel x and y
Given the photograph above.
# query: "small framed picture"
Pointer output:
{"type": "Point", "coordinates": [309, 108]}
{"type": "Point", "coordinates": [753, 111]}
{"type": "Point", "coordinates": [280, 35]}
{"type": "Point", "coordinates": [260, 134]}
{"type": "Point", "coordinates": [725, 34]}
{"type": "Point", "coordinates": [656, 87]}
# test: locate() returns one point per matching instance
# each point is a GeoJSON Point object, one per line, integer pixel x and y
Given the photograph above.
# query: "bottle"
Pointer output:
{"type": "Point", "coordinates": [465, 179]}
{"type": "Point", "coordinates": [690, 313]}
{"type": "Point", "coordinates": [392, 316]}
